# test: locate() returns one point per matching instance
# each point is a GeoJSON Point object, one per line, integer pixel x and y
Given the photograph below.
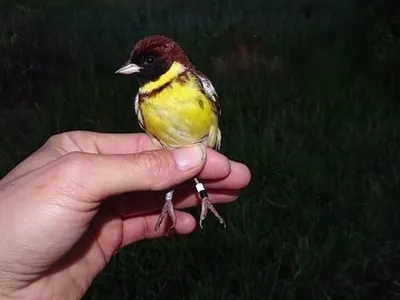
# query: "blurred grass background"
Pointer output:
{"type": "Point", "coordinates": [310, 103]}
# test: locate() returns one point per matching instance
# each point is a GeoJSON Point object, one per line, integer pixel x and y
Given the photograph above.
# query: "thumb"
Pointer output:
{"type": "Point", "coordinates": [106, 175]}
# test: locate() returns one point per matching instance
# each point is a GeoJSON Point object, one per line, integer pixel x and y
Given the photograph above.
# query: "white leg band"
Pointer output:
{"type": "Point", "coordinates": [169, 195]}
{"type": "Point", "coordinates": [200, 187]}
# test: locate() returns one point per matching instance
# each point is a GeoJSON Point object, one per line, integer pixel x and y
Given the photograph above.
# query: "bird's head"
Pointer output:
{"type": "Point", "coordinates": [152, 57]}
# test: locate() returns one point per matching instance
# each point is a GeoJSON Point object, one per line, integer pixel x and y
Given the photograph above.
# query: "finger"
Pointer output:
{"type": "Point", "coordinates": [217, 166]}
{"type": "Point", "coordinates": [225, 190]}
{"type": "Point", "coordinates": [84, 141]}
{"type": "Point", "coordinates": [92, 177]}
{"type": "Point", "coordinates": [145, 202]}
{"type": "Point", "coordinates": [238, 178]}
{"type": "Point", "coordinates": [108, 143]}
{"type": "Point", "coordinates": [139, 228]}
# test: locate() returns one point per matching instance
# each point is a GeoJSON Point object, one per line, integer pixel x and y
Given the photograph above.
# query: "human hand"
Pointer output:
{"type": "Point", "coordinates": [68, 207]}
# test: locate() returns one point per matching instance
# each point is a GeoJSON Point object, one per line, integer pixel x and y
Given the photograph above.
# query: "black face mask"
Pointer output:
{"type": "Point", "coordinates": [152, 67]}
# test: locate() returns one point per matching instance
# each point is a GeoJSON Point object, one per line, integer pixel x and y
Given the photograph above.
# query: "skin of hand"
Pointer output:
{"type": "Point", "coordinates": [68, 207]}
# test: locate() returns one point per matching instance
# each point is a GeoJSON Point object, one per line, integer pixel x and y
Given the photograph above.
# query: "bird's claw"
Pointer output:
{"type": "Point", "coordinates": [205, 206]}
{"type": "Point", "coordinates": [168, 209]}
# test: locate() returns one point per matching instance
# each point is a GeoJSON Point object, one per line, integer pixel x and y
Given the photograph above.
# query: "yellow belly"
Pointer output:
{"type": "Point", "coordinates": [180, 115]}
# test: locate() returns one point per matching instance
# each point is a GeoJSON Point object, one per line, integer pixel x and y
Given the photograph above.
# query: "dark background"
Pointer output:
{"type": "Point", "coordinates": [310, 103]}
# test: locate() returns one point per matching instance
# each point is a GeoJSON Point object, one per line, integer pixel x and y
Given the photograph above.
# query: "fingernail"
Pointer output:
{"type": "Point", "coordinates": [189, 157]}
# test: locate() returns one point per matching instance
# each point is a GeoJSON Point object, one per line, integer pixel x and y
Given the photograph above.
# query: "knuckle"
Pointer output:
{"type": "Point", "coordinates": [73, 164]}
{"type": "Point", "coordinates": [58, 139]}
{"type": "Point", "coordinates": [60, 142]}
{"type": "Point", "coordinates": [69, 175]}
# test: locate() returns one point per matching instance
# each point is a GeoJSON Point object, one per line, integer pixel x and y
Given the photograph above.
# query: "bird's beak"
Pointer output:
{"type": "Point", "coordinates": [129, 69]}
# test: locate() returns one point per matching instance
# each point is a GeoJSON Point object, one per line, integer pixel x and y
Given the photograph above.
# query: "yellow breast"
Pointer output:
{"type": "Point", "coordinates": [180, 114]}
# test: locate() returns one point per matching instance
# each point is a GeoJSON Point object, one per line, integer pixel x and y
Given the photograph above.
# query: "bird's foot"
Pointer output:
{"type": "Point", "coordinates": [168, 210]}
{"type": "Point", "coordinates": [205, 206]}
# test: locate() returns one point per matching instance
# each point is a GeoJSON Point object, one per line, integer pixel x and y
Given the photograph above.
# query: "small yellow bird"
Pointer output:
{"type": "Point", "coordinates": [176, 105]}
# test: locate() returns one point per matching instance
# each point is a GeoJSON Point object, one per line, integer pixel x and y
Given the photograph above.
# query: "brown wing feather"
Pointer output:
{"type": "Point", "coordinates": [209, 90]}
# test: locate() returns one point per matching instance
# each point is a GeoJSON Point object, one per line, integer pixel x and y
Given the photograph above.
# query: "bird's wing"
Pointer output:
{"type": "Point", "coordinates": [209, 90]}
{"type": "Point", "coordinates": [214, 137]}
{"type": "Point", "coordinates": [138, 113]}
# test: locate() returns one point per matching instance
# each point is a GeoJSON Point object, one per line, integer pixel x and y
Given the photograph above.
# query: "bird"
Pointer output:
{"type": "Point", "coordinates": [176, 105]}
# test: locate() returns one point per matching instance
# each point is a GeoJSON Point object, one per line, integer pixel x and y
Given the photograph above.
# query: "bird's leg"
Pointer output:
{"type": "Point", "coordinates": [206, 204]}
{"type": "Point", "coordinates": [168, 209]}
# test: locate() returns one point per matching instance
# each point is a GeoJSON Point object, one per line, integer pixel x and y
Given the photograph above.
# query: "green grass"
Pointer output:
{"type": "Point", "coordinates": [320, 219]}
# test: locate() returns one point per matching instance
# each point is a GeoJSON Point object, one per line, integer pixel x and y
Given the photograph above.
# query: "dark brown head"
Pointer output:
{"type": "Point", "coordinates": [153, 56]}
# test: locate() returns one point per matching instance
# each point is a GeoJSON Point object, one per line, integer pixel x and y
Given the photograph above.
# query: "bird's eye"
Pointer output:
{"type": "Point", "coordinates": [150, 59]}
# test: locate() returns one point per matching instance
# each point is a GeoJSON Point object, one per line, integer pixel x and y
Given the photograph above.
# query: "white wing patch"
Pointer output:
{"type": "Point", "coordinates": [219, 140]}
{"type": "Point", "coordinates": [214, 137]}
{"type": "Point", "coordinates": [138, 112]}
{"type": "Point", "coordinates": [209, 90]}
